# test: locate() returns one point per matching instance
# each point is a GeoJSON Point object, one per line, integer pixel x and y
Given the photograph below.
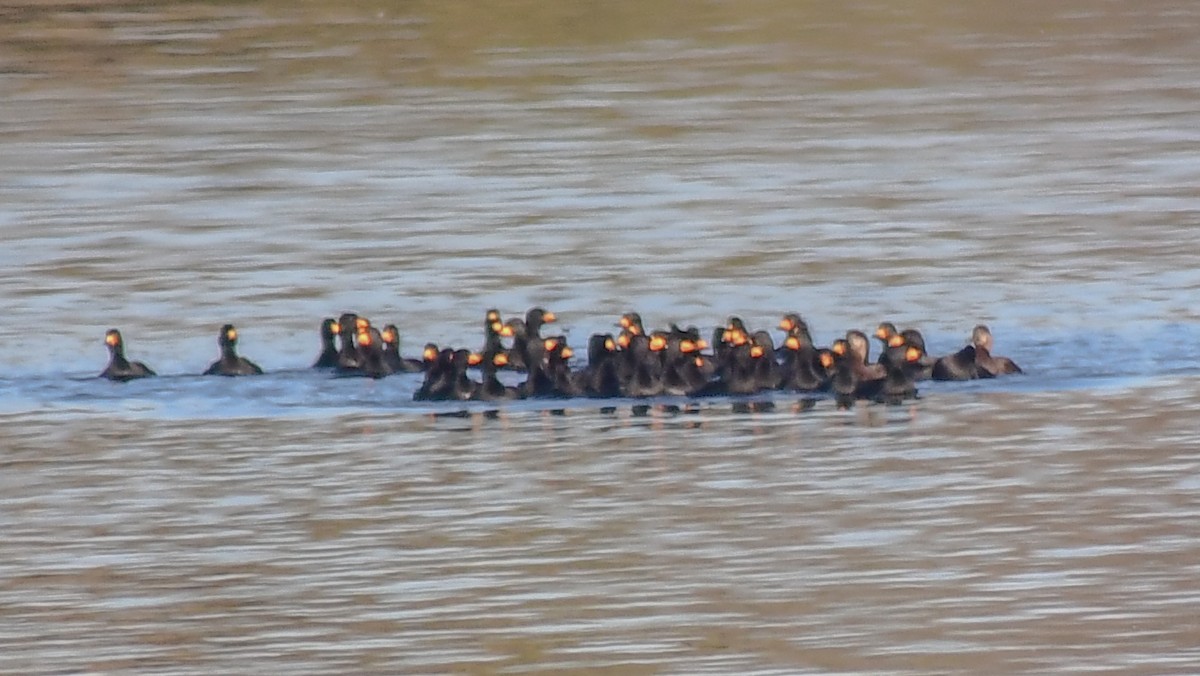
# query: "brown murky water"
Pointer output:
{"type": "Point", "coordinates": [168, 168]}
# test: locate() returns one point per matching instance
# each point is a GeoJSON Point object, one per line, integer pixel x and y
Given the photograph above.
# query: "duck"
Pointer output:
{"type": "Point", "coordinates": [391, 353]}
{"type": "Point", "coordinates": [960, 365]}
{"type": "Point", "coordinates": [558, 367]}
{"type": "Point", "coordinates": [845, 369]}
{"type": "Point", "coordinates": [372, 362]}
{"type": "Point", "coordinates": [923, 369]}
{"type": "Point", "coordinates": [884, 333]}
{"type": "Point", "coordinates": [767, 373]}
{"type": "Point", "coordinates": [119, 368]}
{"type": "Point", "coordinates": [491, 389]}
{"type": "Point", "coordinates": [860, 349]}
{"type": "Point", "coordinates": [738, 374]}
{"type": "Point", "coordinates": [642, 375]}
{"type": "Point", "coordinates": [230, 363]}
{"type": "Point", "coordinates": [539, 380]}
{"type": "Point", "coordinates": [492, 343]}
{"type": "Point", "coordinates": [631, 325]}
{"type": "Point", "coordinates": [439, 375]}
{"type": "Point", "coordinates": [349, 325]}
{"type": "Point", "coordinates": [631, 322]}
{"type": "Point", "coordinates": [518, 354]}
{"type": "Point", "coordinates": [802, 368]}
{"type": "Point", "coordinates": [688, 371]}
{"type": "Point", "coordinates": [329, 352]}
{"type": "Point", "coordinates": [854, 377]}
{"type": "Point", "coordinates": [967, 363]}
{"type": "Point", "coordinates": [601, 377]}
{"type": "Point", "coordinates": [981, 338]}
{"type": "Point", "coordinates": [900, 361]}
{"type": "Point", "coordinates": [793, 325]}
{"type": "Point", "coordinates": [462, 388]}
{"type": "Point", "coordinates": [536, 318]}
{"type": "Point", "coordinates": [429, 356]}
{"type": "Point", "coordinates": [447, 379]}
{"type": "Point", "coordinates": [726, 339]}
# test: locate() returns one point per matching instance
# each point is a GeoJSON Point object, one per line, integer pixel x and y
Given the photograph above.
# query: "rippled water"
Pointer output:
{"type": "Point", "coordinates": [169, 168]}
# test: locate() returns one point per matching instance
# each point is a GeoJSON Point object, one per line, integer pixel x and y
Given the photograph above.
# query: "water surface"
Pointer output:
{"type": "Point", "coordinates": [170, 168]}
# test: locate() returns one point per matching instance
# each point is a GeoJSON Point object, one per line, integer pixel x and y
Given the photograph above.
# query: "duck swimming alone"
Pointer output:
{"type": "Point", "coordinates": [119, 368]}
{"type": "Point", "coordinates": [229, 363]}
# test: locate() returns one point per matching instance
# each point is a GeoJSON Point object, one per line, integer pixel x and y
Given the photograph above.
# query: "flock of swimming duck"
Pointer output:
{"type": "Point", "coordinates": [634, 363]}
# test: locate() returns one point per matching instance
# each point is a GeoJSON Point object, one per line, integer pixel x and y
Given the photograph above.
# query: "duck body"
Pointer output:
{"type": "Point", "coordinates": [348, 357]}
{"type": "Point", "coordinates": [801, 367]}
{"type": "Point", "coordinates": [440, 378]}
{"type": "Point", "coordinates": [328, 358]}
{"type": "Point", "coordinates": [601, 377]}
{"type": "Point", "coordinates": [230, 363]}
{"type": "Point", "coordinates": [119, 368]}
{"type": "Point", "coordinates": [391, 353]}
{"type": "Point", "coordinates": [491, 389]}
{"type": "Point", "coordinates": [958, 366]}
{"type": "Point", "coordinates": [981, 338]}
{"type": "Point", "coordinates": [901, 362]}
{"type": "Point", "coordinates": [372, 362]}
